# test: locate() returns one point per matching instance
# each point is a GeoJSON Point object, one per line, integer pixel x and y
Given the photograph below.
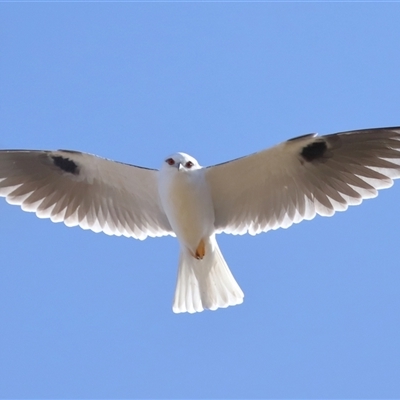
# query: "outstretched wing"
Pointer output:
{"type": "Point", "coordinates": [85, 190]}
{"type": "Point", "coordinates": [303, 177]}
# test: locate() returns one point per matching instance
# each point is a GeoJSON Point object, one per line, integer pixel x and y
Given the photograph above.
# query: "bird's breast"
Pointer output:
{"type": "Point", "coordinates": [187, 202]}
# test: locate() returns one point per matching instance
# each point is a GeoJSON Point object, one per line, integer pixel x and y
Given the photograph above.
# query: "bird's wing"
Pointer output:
{"type": "Point", "coordinates": [85, 190]}
{"type": "Point", "coordinates": [303, 177]}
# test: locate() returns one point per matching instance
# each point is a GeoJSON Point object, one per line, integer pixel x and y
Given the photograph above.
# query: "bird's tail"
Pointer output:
{"type": "Point", "coordinates": [205, 284]}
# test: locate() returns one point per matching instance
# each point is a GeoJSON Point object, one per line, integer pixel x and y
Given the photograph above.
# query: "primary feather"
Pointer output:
{"type": "Point", "coordinates": [85, 190]}
{"type": "Point", "coordinates": [301, 178]}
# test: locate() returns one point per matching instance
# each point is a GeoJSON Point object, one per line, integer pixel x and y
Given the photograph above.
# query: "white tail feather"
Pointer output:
{"type": "Point", "coordinates": [205, 284]}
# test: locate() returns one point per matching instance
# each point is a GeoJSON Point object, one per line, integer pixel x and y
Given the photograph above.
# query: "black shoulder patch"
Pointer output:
{"type": "Point", "coordinates": [314, 151]}
{"type": "Point", "coordinates": [65, 164]}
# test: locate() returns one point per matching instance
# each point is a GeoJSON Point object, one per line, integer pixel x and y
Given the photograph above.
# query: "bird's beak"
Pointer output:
{"type": "Point", "coordinates": [180, 166]}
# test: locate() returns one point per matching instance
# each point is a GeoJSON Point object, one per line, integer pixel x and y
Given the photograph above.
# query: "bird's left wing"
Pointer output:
{"type": "Point", "coordinates": [85, 190]}
{"type": "Point", "coordinates": [302, 177]}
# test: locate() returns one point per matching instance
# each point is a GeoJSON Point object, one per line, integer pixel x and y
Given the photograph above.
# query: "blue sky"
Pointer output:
{"type": "Point", "coordinates": [88, 315]}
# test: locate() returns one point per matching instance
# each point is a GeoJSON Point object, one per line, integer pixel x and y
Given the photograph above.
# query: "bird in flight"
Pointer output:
{"type": "Point", "coordinates": [274, 188]}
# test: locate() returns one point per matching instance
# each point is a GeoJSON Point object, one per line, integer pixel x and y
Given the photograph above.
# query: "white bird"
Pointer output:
{"type": "Point", "coordinates": [274, 188]}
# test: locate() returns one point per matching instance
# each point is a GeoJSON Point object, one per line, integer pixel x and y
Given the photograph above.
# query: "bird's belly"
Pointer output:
{"type": "Point", "coordinates": [188, 206]}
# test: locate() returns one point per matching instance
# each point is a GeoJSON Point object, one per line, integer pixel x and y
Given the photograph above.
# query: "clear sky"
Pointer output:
{"type": "Point", "coordinates": [88, 315]}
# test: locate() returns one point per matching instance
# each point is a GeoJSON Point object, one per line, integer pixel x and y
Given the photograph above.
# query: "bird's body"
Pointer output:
{"type": "Point", "coordinates": [204, 279]}
{"type": "Point", "coordinates": [274, 188]}
{"type": "Point", "coordinates": [187, 202]}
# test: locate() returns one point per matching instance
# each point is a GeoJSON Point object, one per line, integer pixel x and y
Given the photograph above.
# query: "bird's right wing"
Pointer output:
{"type": "Point", "coordinates": [302, 177]}
{"type": "Point", "coordinates": [85, 190]}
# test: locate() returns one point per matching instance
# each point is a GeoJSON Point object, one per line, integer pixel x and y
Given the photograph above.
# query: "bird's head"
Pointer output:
{"type": "Point", "coordinates": [182, 162]}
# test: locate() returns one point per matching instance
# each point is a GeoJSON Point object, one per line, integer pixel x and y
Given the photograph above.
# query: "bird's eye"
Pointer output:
{"type": "Point", "coordinates": [189, 164]}
{"type": "Point", "coordinates": [170, 161]}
